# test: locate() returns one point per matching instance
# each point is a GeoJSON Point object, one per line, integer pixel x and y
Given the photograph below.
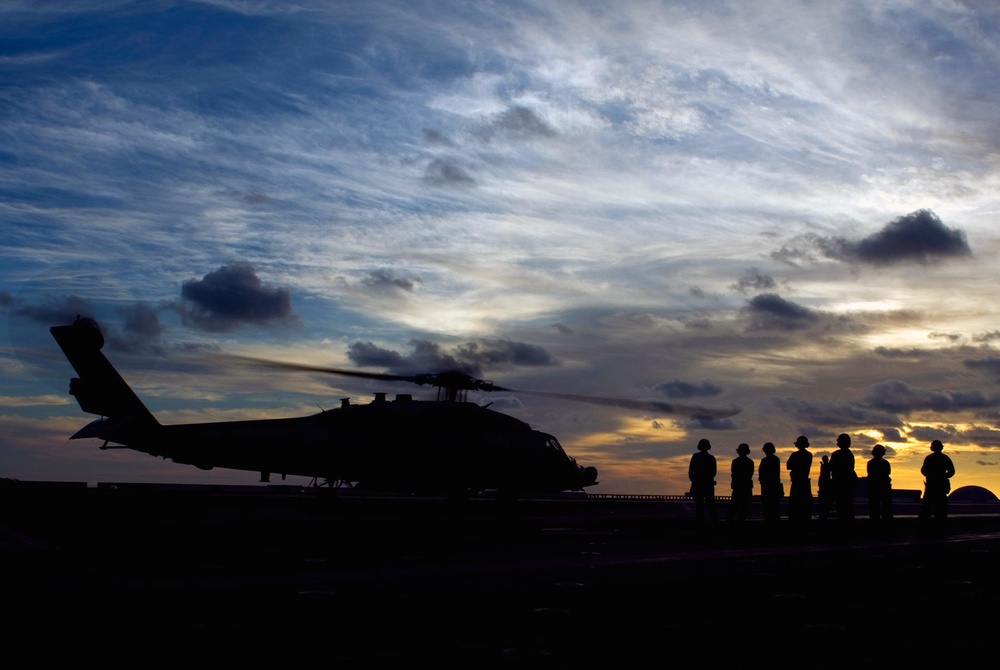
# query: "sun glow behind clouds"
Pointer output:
{"type": "Point", "coordinates": [897, 338]}
{"type": "Point", "coordinates": [631, 431]}
{"type": "Point", "coordinates": [470, 318]}
{"type": "Point", "coordinates": [868, 306]}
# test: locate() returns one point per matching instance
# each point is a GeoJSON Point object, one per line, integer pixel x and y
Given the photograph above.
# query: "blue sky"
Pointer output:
{"type": "Point", "coordinates": [788, 207]}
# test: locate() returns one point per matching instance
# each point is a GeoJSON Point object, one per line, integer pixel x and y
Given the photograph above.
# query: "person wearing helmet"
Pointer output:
{"type": "Point", "coordinates": [742, 484]}
{"type": "Point", "coordinates": [771, 488]}
{"type": "Point", "coordinates": [937, 471]}
{"type": "Point", "coordinates": [701, 472]}
{"type": "Point", "coordinates": [799, 465]}
{"type": "Point", "coordinates": [879, 488]}
{"type": "Point", "coordinates": [843, 478]}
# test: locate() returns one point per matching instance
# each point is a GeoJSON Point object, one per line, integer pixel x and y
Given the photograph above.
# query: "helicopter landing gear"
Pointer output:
{"type": "Point", "coordinates": [331, 483]}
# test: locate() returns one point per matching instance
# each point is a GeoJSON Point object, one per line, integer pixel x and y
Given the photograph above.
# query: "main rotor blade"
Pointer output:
{"type": "Point", "coordinates": [694, 411]}
{"type": "Point", "coordinates": [451, 380]}
{"type": "Point", "coordinates": [303, 367]}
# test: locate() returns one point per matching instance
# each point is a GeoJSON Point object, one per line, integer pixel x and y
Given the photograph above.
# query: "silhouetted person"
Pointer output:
{"type": "Point", "coordinates": [879, 487]}
{"type": "Point", "coordinates": [701, 472]}
{"type": "Point", "coordinates": [824, 488]}
{"type": "Point", "coordinates": [937, 471]}
{"type": "Point", "coordinates": [771, 489]}
{"type": "Point", "coordinates": [799, 464]}
{"type": "Point", "coordinates": [843, 478]}
{"type": "Point", "coordinates": [742, 474]}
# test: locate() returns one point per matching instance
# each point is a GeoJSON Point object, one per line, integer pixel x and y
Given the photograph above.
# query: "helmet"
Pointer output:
{"type": "Point", "coordinates": [744, 448]}
{"type": "Point", "coordinates": [768, 447]}
{"type": "Point", "coordinates": [704, 445]}
{"type": "Point", "coordinates": [878, 450]}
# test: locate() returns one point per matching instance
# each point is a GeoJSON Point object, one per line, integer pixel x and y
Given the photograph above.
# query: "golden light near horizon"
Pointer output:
{"type": "Point", "coordinates": [647, 476]}
{"type": "Point", "coordinates": [632, 430]}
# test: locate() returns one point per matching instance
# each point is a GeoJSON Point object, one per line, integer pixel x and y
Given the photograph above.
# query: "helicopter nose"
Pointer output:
{"type": "Point", "coordinates": [589, 476]}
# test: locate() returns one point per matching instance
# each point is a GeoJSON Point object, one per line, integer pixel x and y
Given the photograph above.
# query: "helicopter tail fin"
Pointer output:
{"type": "Point", "coordinates": [100, 389]}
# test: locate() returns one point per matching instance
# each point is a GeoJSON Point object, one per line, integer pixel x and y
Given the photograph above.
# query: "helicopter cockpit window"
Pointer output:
{"type": "Point", "coordinates": [553, 443]}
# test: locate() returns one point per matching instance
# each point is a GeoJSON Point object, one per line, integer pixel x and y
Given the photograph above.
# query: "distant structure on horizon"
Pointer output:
{"type": "Point", "coordinates": [973, 494]}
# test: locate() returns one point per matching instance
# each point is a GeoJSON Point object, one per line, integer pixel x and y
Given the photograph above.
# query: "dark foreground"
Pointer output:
{"type": "Point", "coordinates": [234, 576]}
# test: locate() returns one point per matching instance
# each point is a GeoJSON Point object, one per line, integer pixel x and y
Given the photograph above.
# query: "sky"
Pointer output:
{"type": "Point", "coordinates": [784, 207]}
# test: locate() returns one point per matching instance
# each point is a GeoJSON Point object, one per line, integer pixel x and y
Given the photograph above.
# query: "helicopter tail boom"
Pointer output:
{"type": "Point", "coordinates": [100, 389]}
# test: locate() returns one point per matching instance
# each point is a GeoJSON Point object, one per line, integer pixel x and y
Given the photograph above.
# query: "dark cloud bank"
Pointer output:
{"type": "Point", "coordinates": [233, 296]}
{"type": "Point", "coordinates": [918, 237]}
{"type": "Point", "coordinates": [472, 358]}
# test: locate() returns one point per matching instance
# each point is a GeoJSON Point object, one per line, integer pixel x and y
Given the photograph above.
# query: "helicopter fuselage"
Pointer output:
{"type": "Point", "coordinates": [395, 445]}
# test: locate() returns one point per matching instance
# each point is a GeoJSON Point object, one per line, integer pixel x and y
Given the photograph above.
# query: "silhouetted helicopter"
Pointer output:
{"type": "Point", "coordinates": [447, 445]}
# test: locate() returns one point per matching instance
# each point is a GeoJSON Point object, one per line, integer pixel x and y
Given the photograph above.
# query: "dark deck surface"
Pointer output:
{"type": "Point", "coordinates": [259, 575]}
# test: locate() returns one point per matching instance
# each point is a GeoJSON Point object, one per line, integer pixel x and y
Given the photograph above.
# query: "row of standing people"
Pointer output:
{"type": "Point", "coordinates": [836, 488]}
